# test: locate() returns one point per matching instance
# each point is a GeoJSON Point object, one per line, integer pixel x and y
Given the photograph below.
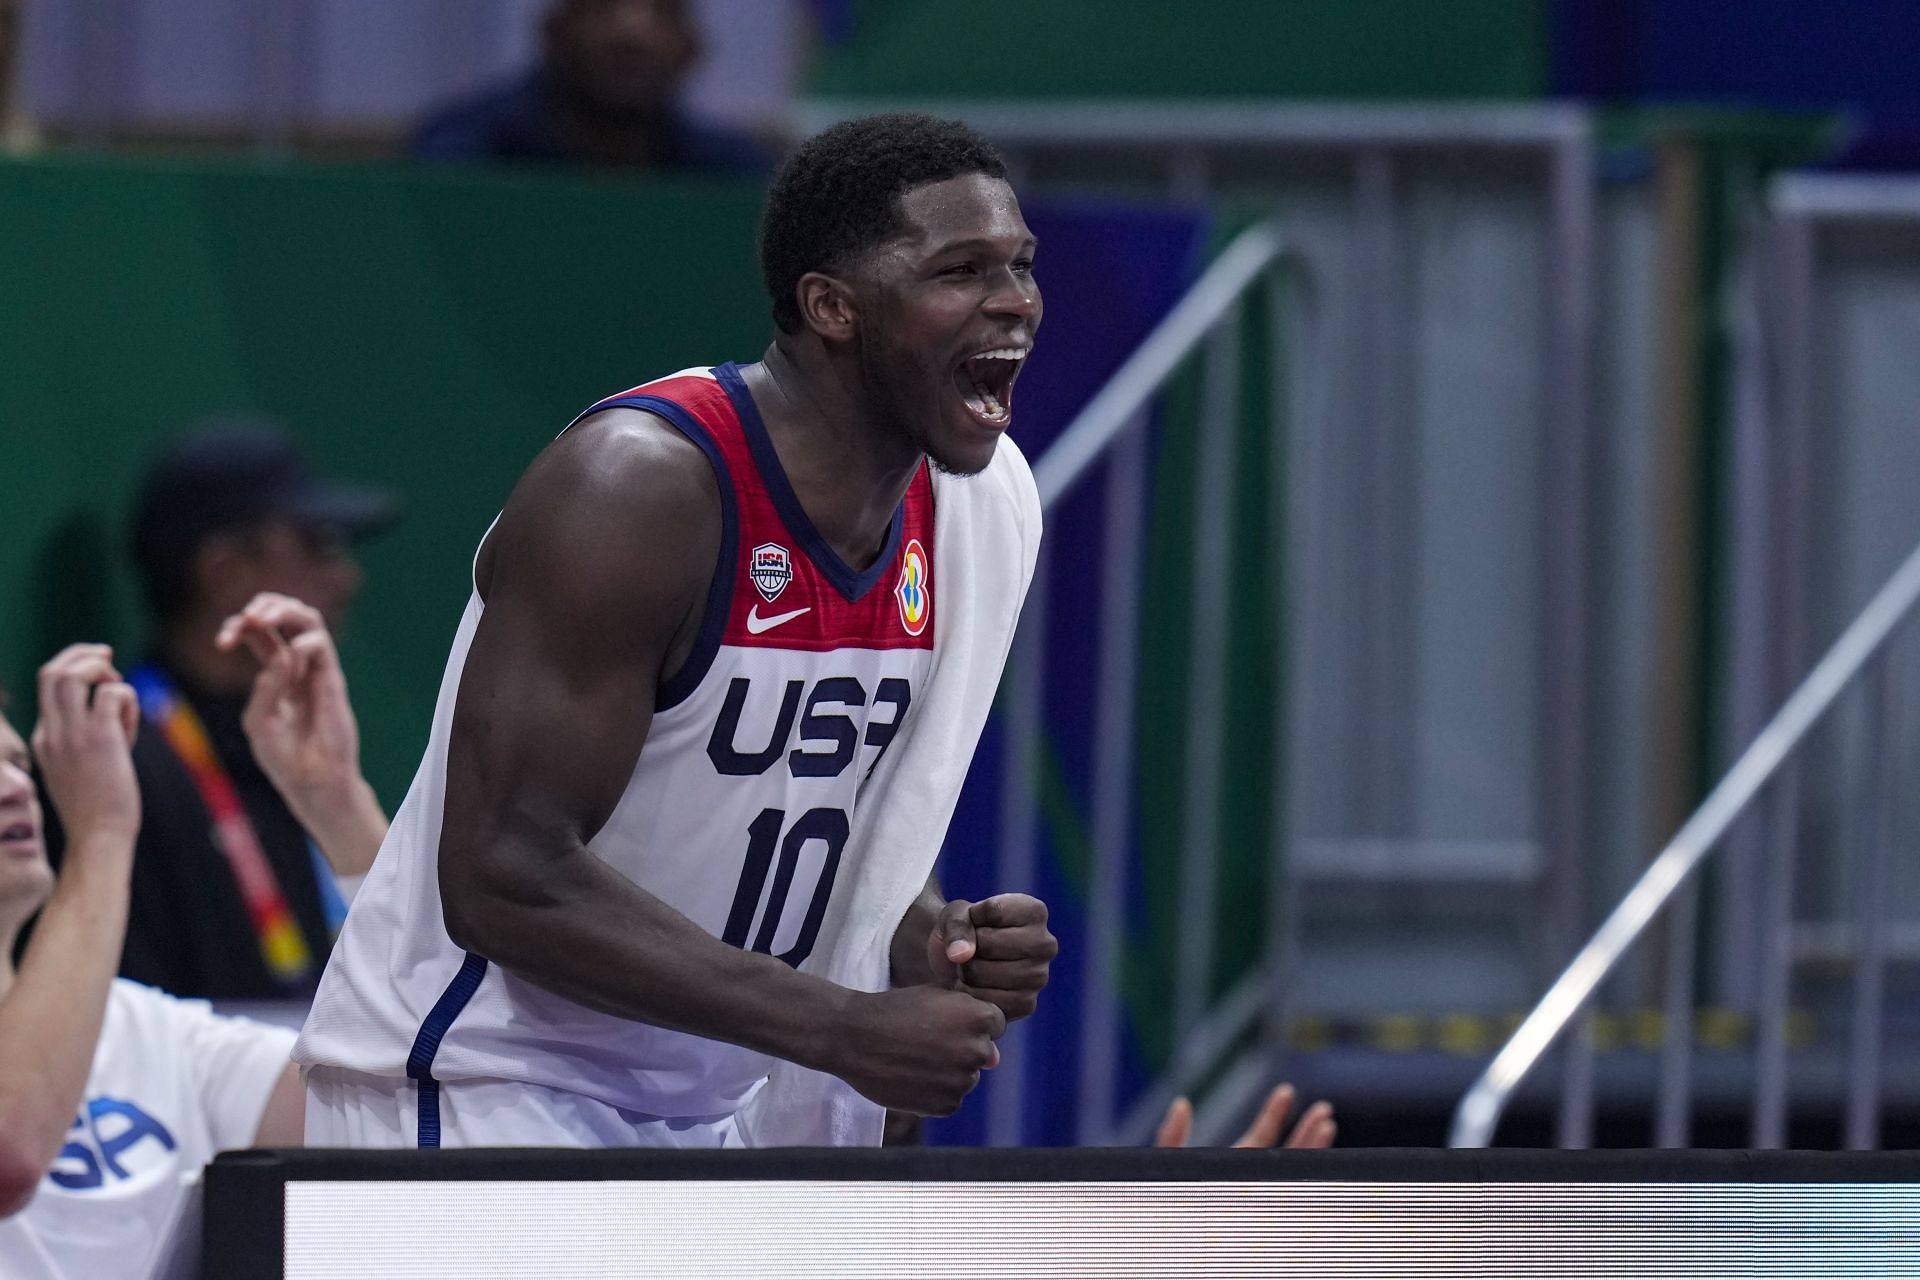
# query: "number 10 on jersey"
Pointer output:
{"type": "Point", "coordinates": [764, 838]}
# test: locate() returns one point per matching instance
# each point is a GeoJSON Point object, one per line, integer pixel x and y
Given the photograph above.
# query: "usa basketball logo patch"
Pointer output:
{"type": "Point", "coordinates": [913, 593]}
{"type": "Point", "coordinates": [771, 569]}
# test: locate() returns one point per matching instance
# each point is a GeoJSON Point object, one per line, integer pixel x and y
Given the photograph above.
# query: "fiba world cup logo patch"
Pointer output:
{"type": "Point", "coordinates": [914, 593]}
{"type": "Point", "coordinates": [771, 569]}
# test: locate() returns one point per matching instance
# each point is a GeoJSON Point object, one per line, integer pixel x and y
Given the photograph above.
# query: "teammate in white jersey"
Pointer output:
{"type": "Point", "coordinates": [111, 1094]}
{"type": "Point", "coordinates": [703, 617]}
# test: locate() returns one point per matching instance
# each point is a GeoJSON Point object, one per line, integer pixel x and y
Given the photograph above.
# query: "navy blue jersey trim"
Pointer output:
{"type": "Point", "coordinates": [427, 1110]}
{"type": "Point", "coordinates": [676, 688]}
{"type": "Point", "coordinates": [849, 584]}
{"type": "Point", "coordinates": [427, 1044]}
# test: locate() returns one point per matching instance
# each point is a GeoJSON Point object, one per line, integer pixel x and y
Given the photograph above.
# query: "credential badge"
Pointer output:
{"type": "Point", "coordinates": [771, 569]}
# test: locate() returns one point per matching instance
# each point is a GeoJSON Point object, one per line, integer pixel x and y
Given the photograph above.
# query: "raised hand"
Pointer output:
{"type": "Point", "coordinates": [298, 720]}
{"type": "Point", "coordinates": [919, 1049]}
{"type": "Point", "coordinates": [1315, 1131]}
{"type": "Point", "coordinates": [83, 745]}
{"type": "Point", "coordinates": [998, 949]}
{"type": "Point", "coordinates": [302, 729]}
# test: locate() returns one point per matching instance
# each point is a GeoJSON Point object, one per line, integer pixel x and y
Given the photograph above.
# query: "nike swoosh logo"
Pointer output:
{"type": "Point", "coordinates": [756, 624]}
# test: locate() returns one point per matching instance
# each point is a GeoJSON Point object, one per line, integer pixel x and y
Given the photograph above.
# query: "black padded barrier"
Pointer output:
{"type": "Point", "coordinates": [245, 1195]}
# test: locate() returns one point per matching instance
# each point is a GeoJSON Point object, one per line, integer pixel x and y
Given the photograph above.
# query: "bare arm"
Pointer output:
{"type": "Point", "coordinates": [302, 729]}
{"type": "Point", "coordinates": [592, 580]}
{"type": "Point", "coordinates": [50, 1018]}
{"type": "Point", "coordinates": [284, 1122]}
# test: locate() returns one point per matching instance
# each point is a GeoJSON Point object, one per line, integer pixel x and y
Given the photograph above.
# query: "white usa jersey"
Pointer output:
{"type": "Point", "coordinates": [738, 812]}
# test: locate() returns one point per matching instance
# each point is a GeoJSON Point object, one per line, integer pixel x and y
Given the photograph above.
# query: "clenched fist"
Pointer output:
{"type": "Point", "coordinates": [918, 1049]}
{"type": "Point", "coordinates": [998, 949]}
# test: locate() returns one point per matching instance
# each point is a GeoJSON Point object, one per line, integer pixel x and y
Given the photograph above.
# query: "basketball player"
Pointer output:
{"type": "Point", "coordinates": [730, 647]}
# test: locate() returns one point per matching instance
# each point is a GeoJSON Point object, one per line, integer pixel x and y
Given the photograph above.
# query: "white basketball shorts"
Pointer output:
{"type": "Point", "coordinates": [347, 1109]}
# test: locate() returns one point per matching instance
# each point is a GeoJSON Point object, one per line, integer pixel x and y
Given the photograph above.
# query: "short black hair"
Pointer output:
{"type": "Point", "coordinates": [839, 194]}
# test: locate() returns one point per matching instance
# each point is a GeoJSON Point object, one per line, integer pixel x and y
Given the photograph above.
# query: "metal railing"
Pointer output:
{"type": "Point", "coordinates": [1342, 540]}
{"type": "Point", "coordinates": [1861, 643]}
{"type": "Point", "coordinates": [1112, 429]}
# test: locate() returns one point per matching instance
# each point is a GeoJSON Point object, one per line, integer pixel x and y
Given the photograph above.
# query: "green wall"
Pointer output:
{"type": "Point", "coordinates": [1388, 49]}
{"type": "Point", "coordinates": [424, 331]}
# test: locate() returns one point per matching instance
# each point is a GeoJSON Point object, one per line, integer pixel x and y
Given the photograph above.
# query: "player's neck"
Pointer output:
{"type": "Point", "coordinates": [848, 471]}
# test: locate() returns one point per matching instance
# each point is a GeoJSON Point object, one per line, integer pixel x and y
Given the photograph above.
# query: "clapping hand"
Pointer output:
{"type": "Point", "coordinates": [83, 745]}
{"type": "Point", "coordinates": [298, 720]}
{"type": "Point", "coordinates": [1315, 1131]}
{"type": "Point", "coordinates": [302, 729]}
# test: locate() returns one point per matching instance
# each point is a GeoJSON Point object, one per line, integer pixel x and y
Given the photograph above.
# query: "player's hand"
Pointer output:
{"type": "Point", "coordinates": [298, 720]}
{"type": "Point", "coordinates": [83, 745]}
{"type": "Point", "coordinates": [1315, 1131]}
{"type": "Point", "coordinates": [919, 1049]}
{"type": "Point", "coordinates": [998, 949]}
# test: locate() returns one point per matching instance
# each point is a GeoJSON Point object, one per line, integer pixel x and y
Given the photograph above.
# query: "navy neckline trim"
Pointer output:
{"type": "Point", "coordinates": [849, 583]}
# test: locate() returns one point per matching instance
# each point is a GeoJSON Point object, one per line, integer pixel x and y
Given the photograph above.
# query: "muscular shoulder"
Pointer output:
{"type": "Point", "coordinates": [623, 465]}
{"type": "Point", "coordinates": [622, 503]}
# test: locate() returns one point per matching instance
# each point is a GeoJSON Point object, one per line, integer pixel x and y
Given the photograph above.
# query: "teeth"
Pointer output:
{"type": "Point", "coordinates": [985, 401]}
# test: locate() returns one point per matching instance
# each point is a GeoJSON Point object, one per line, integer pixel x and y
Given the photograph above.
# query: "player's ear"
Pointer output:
{"type": "Point", "coordinates": [827, 306]}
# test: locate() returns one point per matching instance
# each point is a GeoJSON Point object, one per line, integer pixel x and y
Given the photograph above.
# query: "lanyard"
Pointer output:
{"type": "Point", "coordinates": [282, 946]}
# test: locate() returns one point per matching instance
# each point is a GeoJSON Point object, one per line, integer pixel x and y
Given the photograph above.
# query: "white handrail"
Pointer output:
{"type": "Point", "coordinates": [1109, 414]}
{"type": "Point", "coordinates": [1479, 1110]}
{"type": "Point", "coordinates": [1256, 122]}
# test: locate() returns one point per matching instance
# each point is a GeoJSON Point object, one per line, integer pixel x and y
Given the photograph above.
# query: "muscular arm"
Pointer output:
{"type": "Point", "coordinates": [596, 567]}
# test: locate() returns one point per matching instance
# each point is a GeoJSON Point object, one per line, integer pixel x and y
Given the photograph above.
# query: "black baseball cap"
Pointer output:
{"type": "Point", "coordinates": [232, 475]}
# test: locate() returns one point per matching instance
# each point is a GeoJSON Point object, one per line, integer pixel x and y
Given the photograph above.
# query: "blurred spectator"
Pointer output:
{"type": "Point", "coordinates": [17, 133]}
{"type": "Point", "coordinates": [230, 897]}
{"type": "Point", "coordinates": [606, 93]}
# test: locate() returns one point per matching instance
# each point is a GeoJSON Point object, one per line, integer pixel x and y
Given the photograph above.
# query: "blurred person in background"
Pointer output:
{"type": "Point", "coordinates": [606, 93]}
{"type": "Point", "coordinates": [231, 899]}
{"type": "Point", "coordinates": [17, 133]}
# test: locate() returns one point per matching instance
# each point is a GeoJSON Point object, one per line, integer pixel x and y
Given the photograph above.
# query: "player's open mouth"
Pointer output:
{"type": "Point", "coordinates": [986, 383]}
{"type": "Point", "coordinates": [19, 837]}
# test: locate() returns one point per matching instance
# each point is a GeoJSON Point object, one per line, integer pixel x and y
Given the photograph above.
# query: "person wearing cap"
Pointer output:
{"type": "Point", "coordinates": [231, 898]}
